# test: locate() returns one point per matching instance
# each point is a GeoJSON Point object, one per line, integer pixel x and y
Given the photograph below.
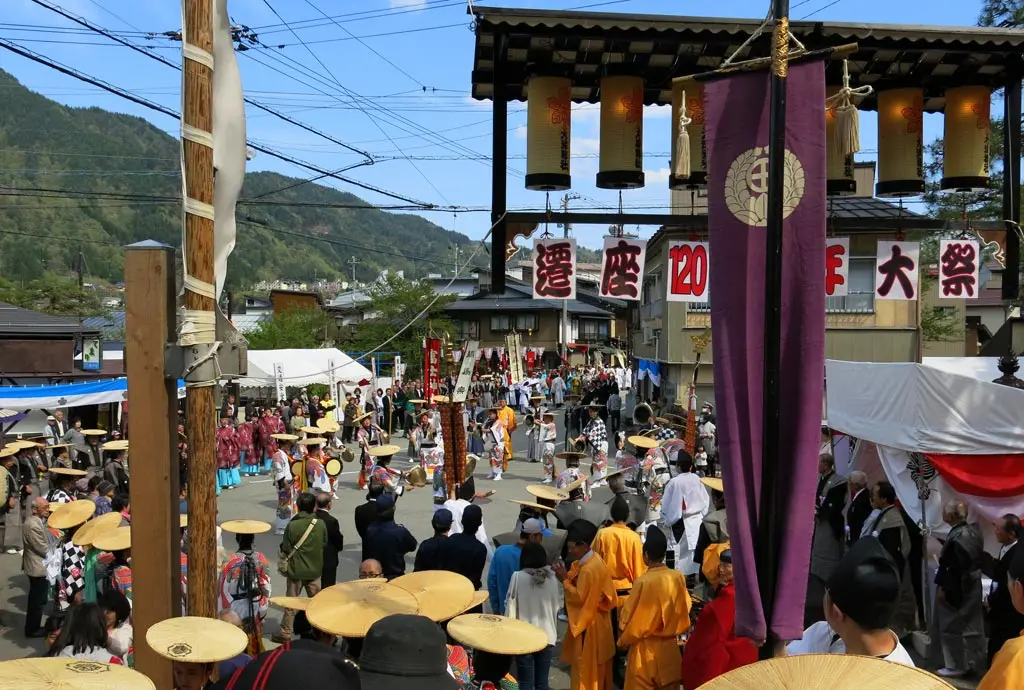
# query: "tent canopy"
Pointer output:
{"type": "Point", "coordinates": [303, 367]}
{"type": "Point", "coordinates": [23, 398]}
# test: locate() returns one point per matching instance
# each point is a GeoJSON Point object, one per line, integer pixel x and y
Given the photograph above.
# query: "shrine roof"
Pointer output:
{"type": "Point", "coordinates": [580, 44]}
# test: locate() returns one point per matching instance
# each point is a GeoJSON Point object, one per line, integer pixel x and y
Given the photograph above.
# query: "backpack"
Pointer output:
{"type": "Point", "coordinates": [248, 588]}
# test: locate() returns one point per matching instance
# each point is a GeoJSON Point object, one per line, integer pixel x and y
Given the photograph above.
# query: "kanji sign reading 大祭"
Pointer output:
{"type": "Point", "coordinates": [837, 267]}
{"type": "Point", "coordinates": [622, 267]}
{"type": "Point", "coordinates": [554, 269]}
{"type": "Point", "coordinates": [688, 272]}
{"type": "Point", "coordinates": [896, 270]}
{"type": "Point", "coordinates": [959, 266]}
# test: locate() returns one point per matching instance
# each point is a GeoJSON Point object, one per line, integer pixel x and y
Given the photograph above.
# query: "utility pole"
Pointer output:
{"type": "Point", "coordinates": [353, 261]}
{"type": "Point", "coordinates": [197, 334]}
{"type": "Point", "coordinates": [455, 248]}
{"type": "Point", "coordinates": [565, 303]}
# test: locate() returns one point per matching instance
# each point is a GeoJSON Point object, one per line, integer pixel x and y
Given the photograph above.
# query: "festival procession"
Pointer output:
{"type": "Point", "coordinates": [799, 485]}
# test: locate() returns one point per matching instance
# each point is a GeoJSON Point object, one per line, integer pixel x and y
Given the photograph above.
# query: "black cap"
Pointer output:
{"type": "Point", "coordinates": [278, 669]}
{"type": "Point", "coordinates": [866, 584]}
{"type": "Point", "coordinates": [405, 652]}
{"type": "Point", "coordinates": [581, 532]}
{"type": "Point", "coordinates": [655, 543]}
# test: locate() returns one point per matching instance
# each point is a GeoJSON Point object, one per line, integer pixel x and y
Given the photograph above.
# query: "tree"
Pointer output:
{"type": "Point", "coordinates": [1006, 14]}
{"type": "Point", "coordinates": [395, 304]}
{"type": "Point", "coordinates": [53, 294]}
{"type": "Point", "coordinates": [300, 329]}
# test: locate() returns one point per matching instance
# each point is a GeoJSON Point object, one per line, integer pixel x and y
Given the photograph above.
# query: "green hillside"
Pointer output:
{"type": "Point", "coordinates": [115, 159]}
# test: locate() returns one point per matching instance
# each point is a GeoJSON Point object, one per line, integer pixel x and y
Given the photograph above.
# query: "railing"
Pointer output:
{"type": "Point", "coordinates": [654, 310]}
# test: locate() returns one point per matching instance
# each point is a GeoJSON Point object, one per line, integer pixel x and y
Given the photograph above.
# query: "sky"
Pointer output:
{"type": "Point", "coordinates": [413, 57]}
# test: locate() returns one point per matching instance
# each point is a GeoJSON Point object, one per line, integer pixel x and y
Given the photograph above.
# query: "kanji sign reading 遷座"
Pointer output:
{"type": "Point", "coordinates": [837, 267]}
{"type": "Point", "coordinates": [622, 267]}
{"type": "Point", "coordinates": [469, 358]}
{"type": "Point", "coordinates": [688, 271]}
{"type": "Point", "coordinates": [959, 268]}
{"type": "Point", "coordinates": [554, 269]}
{"type": "Point", "coordinates": [896, 270]}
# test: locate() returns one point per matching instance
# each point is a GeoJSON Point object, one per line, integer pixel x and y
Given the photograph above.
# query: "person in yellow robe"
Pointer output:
{"type": "Point", "coordinates": [507, 416]}
{"type": "Point", "coordinates": [656, 613]}
{"type": "Point", "coordinates": [1007, 669]}
{"type": "Point", "coordinates": [589, 643]}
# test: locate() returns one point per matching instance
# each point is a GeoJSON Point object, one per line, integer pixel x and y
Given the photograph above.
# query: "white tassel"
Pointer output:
{"type": "Point", "coordinates": [847, 131]}
{"type": "Point", "coordinates": [682, 162]}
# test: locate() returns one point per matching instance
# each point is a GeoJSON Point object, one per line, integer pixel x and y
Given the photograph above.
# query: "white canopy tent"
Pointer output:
{"type": "Point", "coordinates": [303, 367]}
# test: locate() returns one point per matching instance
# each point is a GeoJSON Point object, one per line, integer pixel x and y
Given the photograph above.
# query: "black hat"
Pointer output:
{"type": "Point", "coordinates": [866, 584]}
{"type": "Point", "coordinates": [655, 543]}
{"type": "Point", "coordinates": [467, 489]}
{"type": "Point", "coordinates": [422, 661]}
{"type": "Point", "coordinates": [1017, 565]}
{"type": "Point", "coordinates": [278, 669]}
{"type": "Point", "coordinates": [581, 532]}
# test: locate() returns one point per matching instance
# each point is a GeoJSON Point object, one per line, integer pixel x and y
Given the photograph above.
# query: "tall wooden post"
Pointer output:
{"type": "Point", "coordinates": [198, 329]}
{"type": "Point", "coordinates": [149, 326]}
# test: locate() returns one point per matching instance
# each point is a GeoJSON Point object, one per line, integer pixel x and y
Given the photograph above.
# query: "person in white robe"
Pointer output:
{"type": "Point", "coordinates": [464, 497]}
{"type": "Point", "coordinates": [684, 505]}
{"type": "Point", "coordinates": [558, 390]}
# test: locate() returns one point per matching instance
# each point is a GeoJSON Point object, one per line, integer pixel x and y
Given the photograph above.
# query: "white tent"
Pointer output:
{"type": "Point", "coordinates": [303, 367]}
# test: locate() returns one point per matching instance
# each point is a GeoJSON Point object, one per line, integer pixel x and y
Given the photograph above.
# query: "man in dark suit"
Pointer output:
{"type": "Point", "coordinates": [334, 543]}
{"type": "Point", "coordinates": [860, 506]}
{"type": "Point", "coordinates": [1004, 620]}
{"type": "Point", "coordinates": [366, 513]}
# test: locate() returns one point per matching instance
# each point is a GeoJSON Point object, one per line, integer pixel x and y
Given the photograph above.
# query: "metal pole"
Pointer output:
{"type": "Point", "coordinates": [1011, 183]}
{"type": "Point", "coordinates": [499, 169]}
{"type": "Point", "coordinates": [565, 302]}
{"type": "Point", "coordinates": [769, 539]}
{"type": "Point", "coordinates": [198, 331]}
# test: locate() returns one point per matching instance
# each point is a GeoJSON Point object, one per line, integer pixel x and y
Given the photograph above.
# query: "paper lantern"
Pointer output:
{"type": "Point", "coordinates": [840, 179]}
{"type": "Point", "coordinates": [900, 142]}
{"type": "Point", "coordinates": [698, 176]}
{"type": "Point", "coordinates": [622, 133]}
{"type": "Point", "coordinates": [548, 122]}
{"type": "Point", "coordinates": [965, 157]}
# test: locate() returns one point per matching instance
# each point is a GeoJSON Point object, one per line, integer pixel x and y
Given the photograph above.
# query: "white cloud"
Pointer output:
{"type": "Point", "coordinates": [656, 176]}
{"type": "Point", "coordinates": [407, 3]}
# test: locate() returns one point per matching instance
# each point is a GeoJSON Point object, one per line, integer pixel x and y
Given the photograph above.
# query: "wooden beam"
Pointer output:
{"type": "Point", "coordinates": [149, 326]}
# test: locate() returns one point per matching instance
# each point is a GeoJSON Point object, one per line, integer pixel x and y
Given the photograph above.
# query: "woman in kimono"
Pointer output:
{"type": "Point", "coordinates": [268, 425]}
{"type": "Point", "coordinates": [429, 445]}
{"type": "Point", "coordinates": [281, 467]}
{"type": "Point", "coordinates": [547, 432]}
{"type": "Point", "coordinates": [494, 443]}
{"type": "Point", "coordinates": [227, 455]}
{"type": "Point", "coordinates": [367, 435]}
{"type": "Point", "coordinates": [247, 455]}
{"type": "Point", "coordinates": [474, 428]}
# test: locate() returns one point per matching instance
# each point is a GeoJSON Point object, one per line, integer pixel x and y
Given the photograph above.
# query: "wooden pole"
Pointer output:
{"type": "Point", "coordinates": [499, 167]}
{"type": "Point", "coordinates": [1011, 182]}
{"type": "Point", "coordinates": [769, 537]}
{"type": "Point", "coordinates": [149, 326]}
{"type": "Point", "coordinates": [197, 333]}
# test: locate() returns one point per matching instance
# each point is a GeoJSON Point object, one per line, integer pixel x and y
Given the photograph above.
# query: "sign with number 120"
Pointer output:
{"type": "Point", "coordinates": [688, 269]}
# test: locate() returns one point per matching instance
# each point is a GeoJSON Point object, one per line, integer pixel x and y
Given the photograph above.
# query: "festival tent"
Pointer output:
{"type": "Point", "coordinates": [303, 367]}
{"type": "Point", "coordinates": [68, 395]}
{"type": "Point", "coordinates": [935, 435]}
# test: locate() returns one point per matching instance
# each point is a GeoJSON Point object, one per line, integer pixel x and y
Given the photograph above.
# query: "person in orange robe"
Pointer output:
{"type": "Point", "coordinates": [508, 420]}
{"type": "Point", "coordinates": [656, 613]}
{"type": "Point", "coordinates": [589, 643]}
{"type": "Point", "coordinates": [713, 648]}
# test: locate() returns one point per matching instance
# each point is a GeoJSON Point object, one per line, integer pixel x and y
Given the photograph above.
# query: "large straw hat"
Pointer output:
{"type": "Point", "coordinates": [615, 473]}
{"type": "Point", "coordinates": [68, 471]}
{"type": "Point", "coordinates": [350, 608]}
{"type": "Point", "coordinates": [548, 493]}
{"type": "Point", "coordinates": [441, 399]}
{"type": "Point", "coordinates": [117, 539]}
{"type": "Point", "coordinates": [361, 417]}
{"type": "Point", "coordinates": [328, 425]}
{"type": "Point", "coordinates": [8, 451]}
{"type": "Point", "coordinates": [92, 529]}
{"type": "Point", "coordinates": [497, 634]}
{"type": "Point", "coordinates": [22, 444]}
{"type": "Point", "coordinates": [291, 603]}
{"type": "Point", "coordinates": [285, 437]}
{"type": "Point", "coordinates": [383, 451]}
{"type": "Point", "coordinates": [570, 455]}
{"type": "Point", "coordinates": [196, 640]}
{"type": "Point", "coordinates": [577, 484]}
{"type": "Point", "coordinates": [823, 672]}
{"type": "Point", "coordinates": [315, 430]}
{"type": "Point", "coordinates": [70, 674]}
{"type": "Point", "coordinates": [530, 504]}
{"type": "Point", "coordinates": [441, 594]}
{"type": "Point", "coordinates": [312, 441]}
{"type": "Point", "coordinates": [418, 401]}
{"type": "Point", "coordinates": [245, 526]}
{"type": "Point", "coordinates": [643, 442]}
{"type": "Point", "coordinates": [713, 483]}
{"type": "Point", "coordinates": [72, 515]}
{"type": "Point", "coordinates": [120, 444]}
{"type": "Point", "coordinates": [94, 432]}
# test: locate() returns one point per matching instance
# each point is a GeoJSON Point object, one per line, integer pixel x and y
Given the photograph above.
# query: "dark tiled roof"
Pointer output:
{"type": "Point", "coordinates": [111, 326]}
{"type": "Point", "coordinates": [864, 207]}
{"type": "Point", "coordinates": [16, 321]}
{"type": "Point", "coordinates": [510, 304]}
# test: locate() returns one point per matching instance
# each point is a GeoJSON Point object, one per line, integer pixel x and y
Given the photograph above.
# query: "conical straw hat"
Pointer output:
{"type": "Point", "coordinates": [196, 640]}
{"type": "Point", "coordinates": [119, 444]}
{"type": "Point", "coordinates": [291, 603]}
{"type": "Point", "coordinates": [383, 451]}
{"type": "Point", "coordinates": [92, 529]}
{"type": "Point", "coordinates": [94, 432]}
{"type": "Point", "coordinates": [714, 483]}
{"type": "Point", "coordinates": [350, 608]}
{"type": "Point", "coordinates": [117, 539]}
{"type": "Point", "coordinates": [69, 674]}
{"type": "Point", "coordinates": [312, 441]}
{"type": "Point", "coordinates": [67, 471]}
{"type": "Point", "coordinates": [328, 425]}
{"type": "Point", "coordinates": [530, 504]}
{"type": "Point", "coordinates": [643, 442]}
{"type": "Point", "coordinates": [825, 672]}
{"type": "Point", "coordinates": [285, 437]}
{"type": "Point", "coordinates": [441, 594]}
{"type": "Point", "coordinates": [72, 515]}
{"type": "Point", "coordinates": [315, 430]}
{"type": "Point", "coordinates": [548, 493]}
{"type": "Point", "coordinates": [497, 634]}
{"type": "Point", "coordinates": [245, 526]}
{"type": "Point", "coordinates": [22, 445]}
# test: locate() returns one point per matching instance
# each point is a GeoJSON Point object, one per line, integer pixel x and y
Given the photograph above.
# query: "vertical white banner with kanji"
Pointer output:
{"type": "Point", "coordinates": [554, 269]}
{"type": "Point", "coordinates": [837, 266]}
{"type": "Point", "coordinates": [688, 271]}
{"type": "Point", "coordinates": [959, 269]}
{"type": "Point", "coordinates": [896, 270]}
{"type": "Point", "coordinates": [622, 267]}
{"type": "Point", "coordinates": [466, 371]}
{"type": "Point", "coordinates": [279, 380]}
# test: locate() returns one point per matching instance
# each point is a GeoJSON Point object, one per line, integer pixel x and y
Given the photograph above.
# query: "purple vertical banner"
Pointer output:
{"type": "Point", "coordinates": [736, 116]}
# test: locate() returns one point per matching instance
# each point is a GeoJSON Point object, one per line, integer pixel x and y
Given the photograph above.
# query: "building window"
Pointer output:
{"type": "Point", "coordinates": [593, 330]}
{"type": "Point", "coordinates": [861, 297]}
{"type": "Point", "coordinates": [470, 330]}
{"type": "Point", "coordinates": [501, 322]}
{"type": "Point", "coordinates": [526, 322]}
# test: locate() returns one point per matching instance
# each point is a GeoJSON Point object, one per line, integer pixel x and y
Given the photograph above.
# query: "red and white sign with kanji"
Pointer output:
{"type": "Point", "coordinates": [622, 267]}
{"type": "Point", "coordinates": [554, 269]}
{"type": "Point", "coordinates": [837, 266]}
{"type": "Point", "coordinates": [959, 269]}
{"type": "Point", "coordinates": [688, 272]}
{"type": "Point", "coordinates": [896, 270]}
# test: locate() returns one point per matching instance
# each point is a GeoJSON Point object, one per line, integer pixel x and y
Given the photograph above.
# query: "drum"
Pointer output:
{"type": "Point", "coordinates": [333, 467]}
{"type": "Point", "coordinates": [297, 468]}
{"type": "Point", "coordinates": [347, 455]}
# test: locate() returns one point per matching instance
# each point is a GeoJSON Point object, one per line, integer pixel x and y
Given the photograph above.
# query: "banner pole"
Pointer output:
{"type": "Point", "coordinates": [768, 523]}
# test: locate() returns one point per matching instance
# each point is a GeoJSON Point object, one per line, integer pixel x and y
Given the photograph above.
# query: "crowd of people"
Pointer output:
{"type": "Point", "coordinates": [619, 557]}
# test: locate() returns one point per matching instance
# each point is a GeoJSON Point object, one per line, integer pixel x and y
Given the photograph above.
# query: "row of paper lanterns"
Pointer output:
{"type": "Point", "coordinates": [900, 138]}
